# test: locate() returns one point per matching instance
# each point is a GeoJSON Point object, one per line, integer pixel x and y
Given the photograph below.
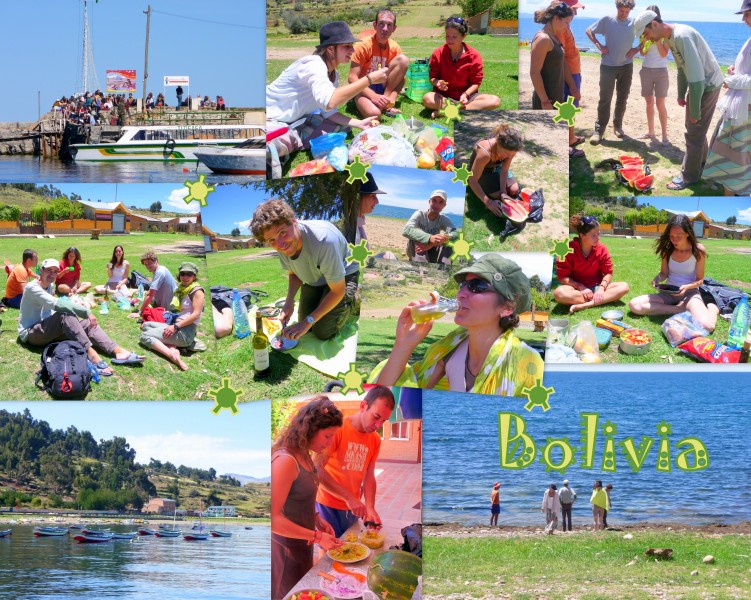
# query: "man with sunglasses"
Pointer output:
{"type": "Point", "coordinates": [616, 66]}
{"type": "Point", "coordinates": [374, 53]}
{"type": "Point", "coordinates": [314, 254]}
{"type": "Point", "coordinates": [429, 232]}
{"type": "Point", "coordinates": [162, 288]}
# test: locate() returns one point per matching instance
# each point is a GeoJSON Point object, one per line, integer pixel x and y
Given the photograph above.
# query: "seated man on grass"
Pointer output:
{"type": "Point", "coordinates": [46, 318]}
{"type": "Point", "coordinates": [314, 253]}
{"type": "Point", "coordinates": [428, 232]}
{"type": "Point", "coordinates": [374, 53]}
{"type": "Point", "coordinates": [18, 277]}
{"type": "Point", "coordinates": [162, 288]}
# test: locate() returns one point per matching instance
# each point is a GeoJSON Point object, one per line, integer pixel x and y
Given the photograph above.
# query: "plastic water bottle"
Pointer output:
{"type": "Point", "coordinates": [739, 324]}
{"type": "Point", "coordinates": [240, 314]}
{"type": "Point", "coordinates": [94, 372]}
{"type": "Point", "coordinates": [140, 291]}
{"type": "Point", "coordinates": [104, 309]}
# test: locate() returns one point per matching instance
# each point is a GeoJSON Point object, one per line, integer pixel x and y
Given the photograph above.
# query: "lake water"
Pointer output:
{"type": "Point", "coordinates": [147, 567]}
{"type": "Point", "coordinates": [725, 39]}
{"type": "Point", "coordinates": [35, 169]}
{"type": "Point", "coordinates": [462, 460]}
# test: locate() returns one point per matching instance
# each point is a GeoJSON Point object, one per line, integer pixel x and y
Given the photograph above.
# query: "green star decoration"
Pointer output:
{"type": "Point", "coordinates": [353, 380]}
{"type": "Point", "coordinates": [461, 247]}
{"type": "Point", "coordinates": [198, 190]}
{"type": "Point", "coordinates": [461, 174]}
{"type": "Point", "coordinates": [225, 397]}
{"type": "Point", "coordinates": [561, 249]}
{"type": "Point", "coordinates": [664, 429]}
{"type": "Point", "coordinates": [357, 170]}
{"type": "Point", "coordinates": [537, 396]}
{"type": "Point", "coordinates": [359, 253]}
{"type": "Point", "coordinates": [566, 111]}
{"type": "Point", "coordinates": [451, 111]}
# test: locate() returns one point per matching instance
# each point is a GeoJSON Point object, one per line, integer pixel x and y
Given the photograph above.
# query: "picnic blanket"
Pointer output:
{"type": "Point", "coordinates": [329, 357]}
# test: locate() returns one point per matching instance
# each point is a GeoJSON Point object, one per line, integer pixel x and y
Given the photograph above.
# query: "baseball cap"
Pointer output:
{"type": "Point", "coordinates": [504, 275]}
{"type": "Point", "coordinates": [642, 21]}
{"type": "Point", "coordinates": [370, 186]}
{"type": "Point", "coordinates": [565, 482]}
{"type": "Point", "coordinates": [48, 263]}
{"type": "Point", "coordinates": [440, 194]}
{"type": "Point", "coordinates": [574, 4]}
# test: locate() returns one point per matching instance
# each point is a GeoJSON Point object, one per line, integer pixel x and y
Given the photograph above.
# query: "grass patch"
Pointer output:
{"type": "Point", "coordinates": [288, 377]}
{"type": "Point", "coordinates": [586, 566]}
{"type": "Point", "coordinates": [156, 378]}
{"type": "Point", "coordinates": [635, 262]}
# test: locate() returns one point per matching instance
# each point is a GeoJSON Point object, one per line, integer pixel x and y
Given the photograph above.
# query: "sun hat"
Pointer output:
{"type": "Point", "coordinates": [188, 267]}
{"type": "Point", "coordinates": [336, 32]}
{"type": "Point", "coordinates": [642, 21]}
{"type": "Point", "coordinates": [504, 275]}
{"type": "Point", "coordinates": [744, 7]}
{"type": "Point", "coordinates": [48, 263]}
{"type": "Point", "coordinates": [496, 485]}
{"type": "Point", "coordinates": [370, 186]}
{"type": "Point", "coordinates": [440, 194]}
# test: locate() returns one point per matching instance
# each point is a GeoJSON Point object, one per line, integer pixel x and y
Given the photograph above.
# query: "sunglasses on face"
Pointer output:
{"type": "Point", "coordinates": [476, 286]}
{"type": "Point", "coordinates": [185, 274]}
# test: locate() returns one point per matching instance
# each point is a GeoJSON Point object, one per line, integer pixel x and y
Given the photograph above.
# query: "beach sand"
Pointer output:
{"type": "Point", "coordinates": [386, 233]}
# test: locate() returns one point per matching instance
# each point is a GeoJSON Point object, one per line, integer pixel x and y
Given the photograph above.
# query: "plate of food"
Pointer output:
{"type": "Point", "coordinates": [343, 585]}
{"type": "Point", "coordinates": [672, 290]}
{"type": "Point", "coordinates": [350, 552]}
{"type": "Point", "coordinates": [282, 344]}
{"type": "Point", "coordinates": [310, 594]}
{"type": "Point", "coordinates": [613, 315]}
{"type": "Point", "coordinates": [372, 538]}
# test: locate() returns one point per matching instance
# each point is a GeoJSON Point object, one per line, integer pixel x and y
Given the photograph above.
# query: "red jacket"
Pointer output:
{"type": "Point", "coordinates": [588, 271]}
{"type": "Point", "coordinates": [460, 75]}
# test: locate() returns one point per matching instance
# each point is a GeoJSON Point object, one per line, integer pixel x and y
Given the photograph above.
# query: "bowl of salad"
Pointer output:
{"type": "Point", "coordinates": [635, 341]}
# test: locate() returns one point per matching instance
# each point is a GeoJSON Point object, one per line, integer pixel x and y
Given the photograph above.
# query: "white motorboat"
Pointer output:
{"type": "Point", "coordinates": [247, 158]}
{"type": "Point", "coordinates": [173, 143]}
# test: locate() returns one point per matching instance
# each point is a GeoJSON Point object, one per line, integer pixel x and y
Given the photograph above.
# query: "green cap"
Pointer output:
{"type": "Point", "coordinates": [505, 276]}
{"type": "Point", "coordinates": [188, 267]}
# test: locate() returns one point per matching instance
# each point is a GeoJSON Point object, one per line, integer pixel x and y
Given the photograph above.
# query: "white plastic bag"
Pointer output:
{"type": "Point", "coordinates": [381, 145]}
{"type": "Point", "coordinates": [583, 340]}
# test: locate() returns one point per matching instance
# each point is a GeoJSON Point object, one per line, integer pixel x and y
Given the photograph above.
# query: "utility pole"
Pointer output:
{"type": "Point", "coordinates": [147, 12]}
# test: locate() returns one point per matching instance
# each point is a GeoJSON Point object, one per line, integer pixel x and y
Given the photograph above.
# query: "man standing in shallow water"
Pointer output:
{"type": "Point", "coordinates": [495, 503]}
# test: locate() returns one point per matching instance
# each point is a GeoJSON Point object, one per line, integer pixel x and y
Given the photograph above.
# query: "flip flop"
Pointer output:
{"type": "Point", "coordinates": [579, 140]}
{"type": "Point", "coordinates": [676, 184]}
{"type": "Point", "coordinates": [102, 367]}
{"type": "Point", "coordinates": [575, 153]}
{"type": "Point", "coordinates": [131, 359]}
{"type": "Point", "coordinates": [392, 112]}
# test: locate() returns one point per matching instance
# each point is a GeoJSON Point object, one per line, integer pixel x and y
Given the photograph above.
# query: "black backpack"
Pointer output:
{"type": "Point", "coordinates": [137, 278]}
{"type": "Point", "coordinates": [65, 371]}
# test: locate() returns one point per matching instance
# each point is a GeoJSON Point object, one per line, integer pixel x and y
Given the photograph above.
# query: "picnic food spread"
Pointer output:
{"type": "Point", "coordinates": [349, 552]}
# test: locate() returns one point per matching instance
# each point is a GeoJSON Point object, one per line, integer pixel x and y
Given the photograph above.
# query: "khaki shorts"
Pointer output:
{"type": "Point", "coordinates": [654, 82]}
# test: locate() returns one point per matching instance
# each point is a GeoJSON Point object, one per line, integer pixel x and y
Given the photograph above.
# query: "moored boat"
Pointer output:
{"type": "Point", "coordinates": [125, 536]}
{"type": "Point", "coordinates": [146, 531]}
{"type": "Point", "coordinates": [195, 536]}
{"type": "Point", "coordinates": [95, 531]}
{"type": "Point", "coordinates": [224, 534]}
{"type": "Point", "coordinates": [173, 143]}
{"type": "Point", "coordinates": [247, 158]}
{"type": "Point", "coordinates": [50, 531]}
{"type": "Point", "coordinates": [168, 533]}
{"type": "Point", "coordinates": [85, 538]}
{"type": "Point", "coordinates": [5, 533]}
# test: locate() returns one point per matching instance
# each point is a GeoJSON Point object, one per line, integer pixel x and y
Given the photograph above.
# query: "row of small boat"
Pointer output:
{"type": "Point", "coordinates": [94, 536]}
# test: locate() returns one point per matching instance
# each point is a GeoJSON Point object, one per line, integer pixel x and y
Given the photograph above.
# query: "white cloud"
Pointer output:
{"type": "Point", "coordinates": [244, 225]}
{"type": "Point", "coordinates": [744, 216]}
{"type": "Point", "coordinates": [176, 201]}
{"type": "Point", "coordinates": [203, 452]}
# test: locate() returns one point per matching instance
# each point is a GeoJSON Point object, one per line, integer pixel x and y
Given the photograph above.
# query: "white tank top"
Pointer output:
{"type": "Point", "coordinates": [653, 60]}
{"type": "Point", "coordinates": [681, 273]}
{"type": "Point", "coordinates": [118, 273]}
{"type": "Point", "coordinates": [455, 366]}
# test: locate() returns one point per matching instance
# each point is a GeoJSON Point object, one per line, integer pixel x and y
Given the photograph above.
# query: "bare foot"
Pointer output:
{"type": "Point", "coordinates": [175, 356]}
{"type": "Point", "coordinates": [577, 307]}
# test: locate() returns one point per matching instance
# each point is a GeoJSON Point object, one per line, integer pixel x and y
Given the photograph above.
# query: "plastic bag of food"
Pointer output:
{"type": "Point", "coordinates": [426, 139]}
{"type": "Point", "coordinates": [558, 353]}
{"type": "Point", "coordinates": [536, 205]}
{"type": "Point", "coordinates": [312, 167]}
{"type": "Point", "coordinates": [709, 351]}
{"type": "Point", "coordinates": [381, 145]}
{"type": "Point", "coordinates": [583, 340]}
{"type": "Point", "coordinates": [337, 157]}
{"type": "Point", "coordinates": [323, 144]}
{"type": "Point", "coordinates": [682, 327]}
{"type": "Point", "coordinates": [399, 125]}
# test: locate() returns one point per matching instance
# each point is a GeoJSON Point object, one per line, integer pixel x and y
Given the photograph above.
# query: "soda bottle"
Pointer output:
{"type": "Point", "coordinates": [745, 350]}
{"type": "Point", "coordinates": [261, 345]}
{"type": "Point", "coordinates": [422, 313]}
{"type": "Point", "coordinates": [104, 309]}
{"type": "Point", "coordinates": [739, 324]}
{"type": "Point", "coordinates": [240, 315]}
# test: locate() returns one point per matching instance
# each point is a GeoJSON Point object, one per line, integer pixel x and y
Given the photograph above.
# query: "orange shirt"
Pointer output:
{"type": "Point", "coordinates": [371, 57]}
{"type": "Point", "coordinates": [571, 53]}
{"type": "Point", "coordinates": [18, 275]}
{"type": "Point", "coordinates": [349, 458]}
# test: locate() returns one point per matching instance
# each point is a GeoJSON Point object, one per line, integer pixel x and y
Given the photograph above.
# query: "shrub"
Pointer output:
{"type": "Point", "coordinates": [9, 213]}
{"type": "Point", "coordinates": [505, 9]}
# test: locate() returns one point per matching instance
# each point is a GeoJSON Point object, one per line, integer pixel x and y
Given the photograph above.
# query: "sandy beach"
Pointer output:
{"type": "Point", "coordinates": [386, 233]}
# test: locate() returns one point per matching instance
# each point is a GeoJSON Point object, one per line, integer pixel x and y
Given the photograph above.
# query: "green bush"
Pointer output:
{"type": "Point", "coordinates": [505, 9]}
{"type": "Point", "coordinates": [471, 7]}
{"type": "Point", "coordinates": [9, 213]}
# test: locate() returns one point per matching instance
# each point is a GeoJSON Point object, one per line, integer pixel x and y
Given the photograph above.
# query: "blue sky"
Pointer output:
{"type": "Point", "coordinates": [411, 188]}
{"type": "Point", "coordinates": [185, 433]}
{"type": "Point", "coordinates": [717, 209]}
{"type": "Point", "coordinates": [171, 195]}
{"type": "Point", "coordinates": [221, 47]}
{"type": "Point", "coordinates": [232, 206]}
{"type": "Point", "coordinates": [718, 10]}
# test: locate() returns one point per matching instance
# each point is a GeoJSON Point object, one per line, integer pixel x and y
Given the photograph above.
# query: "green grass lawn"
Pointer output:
{"type": "Point", "coordinates": [156, 378]}
{"type": "Point", "coordinates": [500, 62]}
{"type": "Point", "coordinates": [587, 566]}
{"type": "Point", "coordinates": [288, 376]}
{"type": "Point", "coordinates": [635, 262]}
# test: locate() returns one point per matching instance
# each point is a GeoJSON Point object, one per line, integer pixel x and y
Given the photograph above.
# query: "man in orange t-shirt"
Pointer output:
{"type": "Point", "coordinates": [18, 277]}
{"type": "Point", "coordinates": [347, 468]}
{"type": "Point", "coordinates": [374, 53]}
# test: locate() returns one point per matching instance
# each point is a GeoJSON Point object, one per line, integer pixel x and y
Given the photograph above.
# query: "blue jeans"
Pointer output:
{"type": "Point", "coordinates": [340, 520]}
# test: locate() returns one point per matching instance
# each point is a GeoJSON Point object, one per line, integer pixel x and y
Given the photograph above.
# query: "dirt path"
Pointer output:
{"type": "Point", "coordinates": [182, 247]}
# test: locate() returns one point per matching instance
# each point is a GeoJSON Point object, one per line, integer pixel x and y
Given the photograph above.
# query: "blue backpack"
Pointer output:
{"type": "Point", "coordinates": [65, 371]}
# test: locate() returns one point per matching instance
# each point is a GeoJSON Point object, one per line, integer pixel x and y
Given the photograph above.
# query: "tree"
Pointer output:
{"type": "Point", "coordinates": [235, 232]}
{"type": "Point", "coordinates": [213, 499]}
{"type": "Point", "coordinates": [155, 207]}
{"type": "Point", "coordinates": [731, 220]}
{"type": "Point", "coordinates": [471, 7]}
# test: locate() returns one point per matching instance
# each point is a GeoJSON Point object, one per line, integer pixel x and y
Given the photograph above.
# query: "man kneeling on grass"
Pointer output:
{"type": "Point", "coordinates": [46, 318]}
{"type": "Point", "coordinates": [314, 253]}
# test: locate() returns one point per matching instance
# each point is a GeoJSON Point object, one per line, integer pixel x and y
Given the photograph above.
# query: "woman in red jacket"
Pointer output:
{"type": "Point", "coordinates": [586, 274]}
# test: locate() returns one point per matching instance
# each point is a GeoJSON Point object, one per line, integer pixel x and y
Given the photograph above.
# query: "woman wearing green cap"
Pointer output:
{"type": "Point", "coordinates": [482, 355]}
{"type": "Point", "coordinates": [168, 339]}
